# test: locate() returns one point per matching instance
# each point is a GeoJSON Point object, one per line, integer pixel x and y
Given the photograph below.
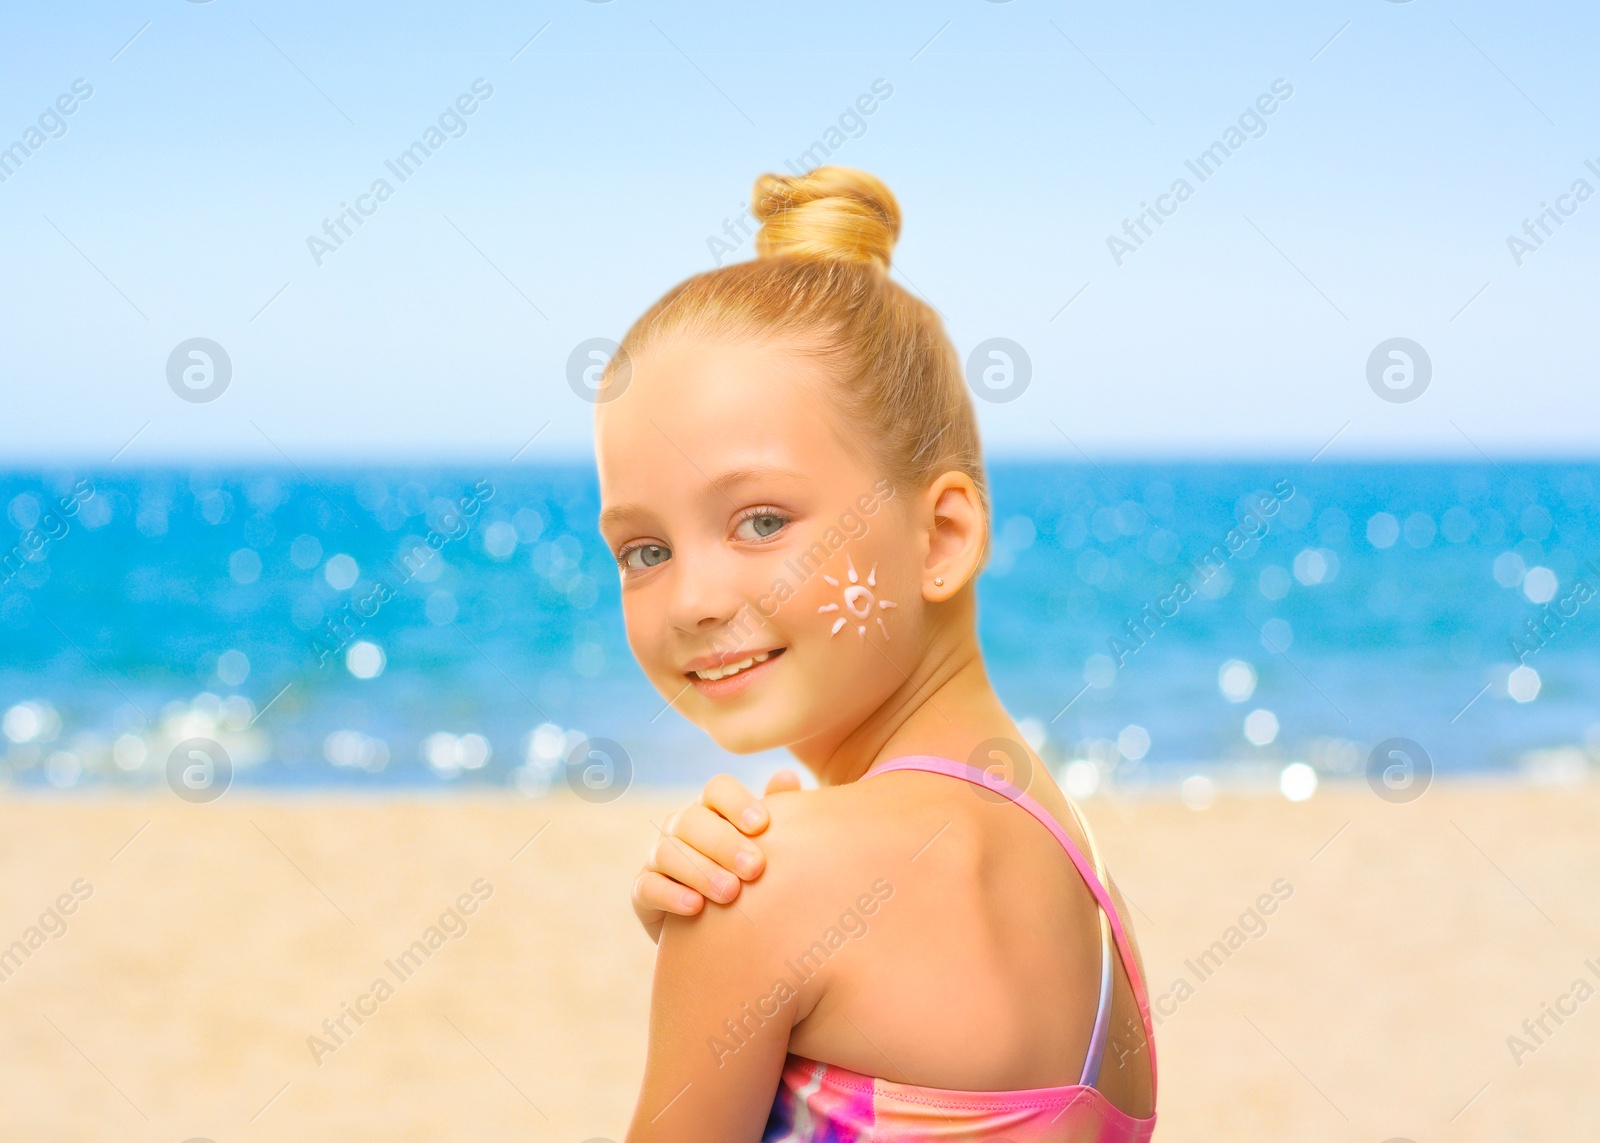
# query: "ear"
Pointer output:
{"type": "Point", "coordinates": [951, 512]}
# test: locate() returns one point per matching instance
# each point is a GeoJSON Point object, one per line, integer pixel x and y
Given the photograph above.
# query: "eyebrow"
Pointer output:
{"type": "Point", "coordinates": [730, 479]}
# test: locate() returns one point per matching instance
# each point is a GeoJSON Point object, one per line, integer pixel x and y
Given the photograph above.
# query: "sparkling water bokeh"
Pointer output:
{"type": "Point", "coordinates": [453, 628]}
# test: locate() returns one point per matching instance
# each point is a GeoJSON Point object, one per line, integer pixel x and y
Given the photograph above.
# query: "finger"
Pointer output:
{"type": "Point", "coordinates": [715, 842]}
{"type": "Point", "coordinates": [728, 797]}
{"type": "Point", "coordinates": [782, 782]}
{"type": "Point", "coordinates": [651, 918]}
{"type": "Point", "coordinates": [655, 894]}
{"type": "Point", "coordinates": [678, 860]}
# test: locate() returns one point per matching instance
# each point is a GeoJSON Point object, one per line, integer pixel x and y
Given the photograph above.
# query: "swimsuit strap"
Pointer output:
{"type": "Point", "coordinates": [935, 764]}
{"type": "Point", "coordinates": [1102, 1016]}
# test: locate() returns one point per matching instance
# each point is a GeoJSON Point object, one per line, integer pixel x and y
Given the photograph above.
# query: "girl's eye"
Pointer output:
{"type": "Point", "coordinates": [649, 556]}
{"type": "Point", "coordinates": [761, 525]}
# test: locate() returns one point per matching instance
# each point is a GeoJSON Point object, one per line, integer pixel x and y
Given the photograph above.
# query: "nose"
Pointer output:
{"type": "Point", "coordinates": [706, 593]}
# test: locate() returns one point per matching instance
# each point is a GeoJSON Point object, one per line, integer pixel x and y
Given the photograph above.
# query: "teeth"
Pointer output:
{"type": "Point", "coordinates": [733, 668]}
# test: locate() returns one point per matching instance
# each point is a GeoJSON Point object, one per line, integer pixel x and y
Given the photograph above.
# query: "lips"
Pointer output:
{"type": "Point", "coordinates": [741, 679]}
{"type": "Point", "coordinates": [730, 659]}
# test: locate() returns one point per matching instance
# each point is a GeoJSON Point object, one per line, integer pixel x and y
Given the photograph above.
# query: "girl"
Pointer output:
{"type": "Point", "coordinates": [792, 484]}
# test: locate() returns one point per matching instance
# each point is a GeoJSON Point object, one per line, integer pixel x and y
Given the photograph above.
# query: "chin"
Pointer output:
{"type": "Point", "coordinates": [747, 731]}
{"type": "Point", "coordinates": [737, 739]}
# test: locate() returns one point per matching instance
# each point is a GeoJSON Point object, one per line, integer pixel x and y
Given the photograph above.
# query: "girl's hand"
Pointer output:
{"type": "Point", "coordinates": [703, 851]}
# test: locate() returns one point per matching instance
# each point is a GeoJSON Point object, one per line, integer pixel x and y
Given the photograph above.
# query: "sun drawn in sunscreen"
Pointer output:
{"type": "Point", "coordinates": [858, 601]}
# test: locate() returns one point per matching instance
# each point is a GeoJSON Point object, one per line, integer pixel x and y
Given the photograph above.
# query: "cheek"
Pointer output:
{"type": "Point", "coordinates": [642, 629]}
{"type": "Point", "coordinates": [853, 598]}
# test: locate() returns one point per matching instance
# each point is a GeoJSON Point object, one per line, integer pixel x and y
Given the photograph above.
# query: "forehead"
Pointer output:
{"type": "Point", "coordinates": [695, 409]}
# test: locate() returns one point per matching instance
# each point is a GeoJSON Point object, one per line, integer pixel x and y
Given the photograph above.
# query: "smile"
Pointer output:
{"type": "Point", "coordinates": [734, 668]}
{"type": "Point", "coordinates": [732, 678]}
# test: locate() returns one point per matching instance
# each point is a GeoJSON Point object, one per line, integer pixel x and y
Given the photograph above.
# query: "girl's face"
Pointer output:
{"type": "Point", "coordinates": [745, 526]}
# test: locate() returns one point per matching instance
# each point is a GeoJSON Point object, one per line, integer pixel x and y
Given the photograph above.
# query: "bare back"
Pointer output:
{"type": "Point", "coordinates": [979, 967]}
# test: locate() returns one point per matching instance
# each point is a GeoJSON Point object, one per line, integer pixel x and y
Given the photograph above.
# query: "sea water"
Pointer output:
{"type": "Point", "coordinates": [456, 627]}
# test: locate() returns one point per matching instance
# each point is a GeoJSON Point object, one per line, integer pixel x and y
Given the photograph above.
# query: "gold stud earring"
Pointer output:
{"type": "Point", "coordinates": [938, 581]}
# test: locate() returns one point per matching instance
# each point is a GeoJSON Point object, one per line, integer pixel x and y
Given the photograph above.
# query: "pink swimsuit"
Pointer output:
{"type": "Point", "coordinates": [824, 1103]}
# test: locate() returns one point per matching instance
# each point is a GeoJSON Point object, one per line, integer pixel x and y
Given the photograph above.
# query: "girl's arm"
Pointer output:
{"type": "Point", "coordinates": [721, 1008]}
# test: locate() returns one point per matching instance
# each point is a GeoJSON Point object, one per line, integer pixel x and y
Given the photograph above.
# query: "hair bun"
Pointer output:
{"type": "Point", "coordinates": [831, 214]}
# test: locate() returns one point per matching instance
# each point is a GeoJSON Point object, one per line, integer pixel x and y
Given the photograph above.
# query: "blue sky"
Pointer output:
{"type": "Point", "coordinates": [1376, 203]}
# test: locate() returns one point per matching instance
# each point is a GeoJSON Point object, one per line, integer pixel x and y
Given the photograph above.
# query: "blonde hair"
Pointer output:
{"type": "Point", "coordinates": [821, 277]}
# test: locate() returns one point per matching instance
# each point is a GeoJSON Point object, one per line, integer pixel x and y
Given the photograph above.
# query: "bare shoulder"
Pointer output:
{"type": "Point", "coordinates": [826, 864]}
{"type": "Point", "coordinates": [833, 838]}
{"type": "Point", "coordinates": [832, 849]}
{"type": "Point", "coordinates": [816, 843]}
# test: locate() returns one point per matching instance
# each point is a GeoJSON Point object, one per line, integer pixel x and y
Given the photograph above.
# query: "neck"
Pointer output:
{"type": "Point", "coordinates": [945, 707]}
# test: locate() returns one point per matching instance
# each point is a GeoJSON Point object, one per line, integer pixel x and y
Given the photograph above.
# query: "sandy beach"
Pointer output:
{"type": "Point", "coordinates": [198, 951]}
